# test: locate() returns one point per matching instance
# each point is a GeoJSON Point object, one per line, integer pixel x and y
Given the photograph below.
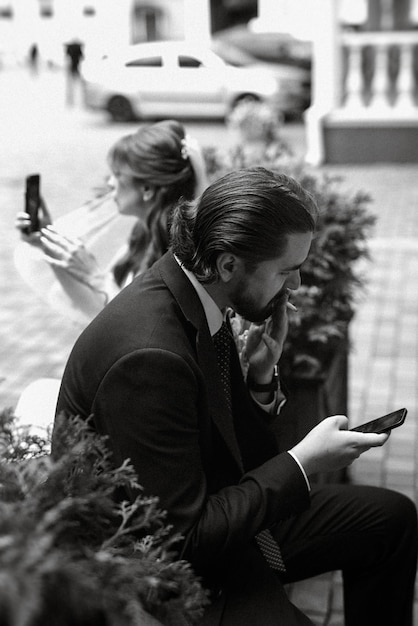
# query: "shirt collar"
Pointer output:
{"type": "Point", "coordinates": [213, 313]}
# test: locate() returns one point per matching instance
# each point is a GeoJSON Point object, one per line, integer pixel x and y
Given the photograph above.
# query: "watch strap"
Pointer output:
{"type": "Point", "coordinates": [265, 387]}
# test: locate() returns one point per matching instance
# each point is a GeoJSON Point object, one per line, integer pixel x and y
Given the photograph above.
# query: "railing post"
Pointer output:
{"type": "Point", "coordinates": [354, 80]}
{"type": "Point", "coordinates": [405, 84]}
{"type": "Point", "coordinates": [380, 81]}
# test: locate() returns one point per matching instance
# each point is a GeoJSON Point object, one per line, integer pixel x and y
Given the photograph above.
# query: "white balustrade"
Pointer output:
{"type": "Point", "coordinates": [361, 79]}
{"type": "Point", "coordinates": [384, 91]}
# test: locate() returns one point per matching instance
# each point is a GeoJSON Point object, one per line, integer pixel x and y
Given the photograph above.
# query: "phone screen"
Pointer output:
{"type": "Point", "coordinates": [383, 424]}
{"type": "Point", "coordinates": [33, 200]}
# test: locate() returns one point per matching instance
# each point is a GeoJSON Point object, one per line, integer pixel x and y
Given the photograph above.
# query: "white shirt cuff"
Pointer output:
{"type": "Point", "coordinates": [275, 405]}
{"type": "Point", "coordinates": [292, 454]}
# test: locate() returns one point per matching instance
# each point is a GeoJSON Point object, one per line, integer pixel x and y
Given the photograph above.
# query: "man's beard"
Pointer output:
{"type": "Point", "coordinates": [246, 305]}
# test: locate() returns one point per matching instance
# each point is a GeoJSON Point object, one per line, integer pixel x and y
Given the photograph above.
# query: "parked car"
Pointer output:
{"type": "Point", "coordinates": [289, 59]}
{"type": "Point", "coordinates": [172, 79]}
{"type": "Point", "coordinates": [277, 47]}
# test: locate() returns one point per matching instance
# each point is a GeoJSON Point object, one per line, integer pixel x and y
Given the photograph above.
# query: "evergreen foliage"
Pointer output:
{"type": "Point", "coordinates": [332, 276]}
{"type": "Point", "coordinates": [72, 553]}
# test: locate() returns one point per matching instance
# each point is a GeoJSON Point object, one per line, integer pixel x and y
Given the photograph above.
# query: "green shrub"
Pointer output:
{"type": "Point", "coordinates": [70, 552]}
{"type": "Point", "coordinates": [331, 276]}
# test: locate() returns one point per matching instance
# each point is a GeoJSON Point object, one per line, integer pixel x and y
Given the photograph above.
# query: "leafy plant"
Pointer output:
{"type": "Point", "coordinates": [73, 553]}
{"type": "Point", "coordinates": [331, 276]}
{"type": "Point", "coordinates": [256, 121]}
{"type": "Point", "coordinates": [257, 128]}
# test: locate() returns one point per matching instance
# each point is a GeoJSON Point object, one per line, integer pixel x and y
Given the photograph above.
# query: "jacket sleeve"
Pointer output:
{"type": "Point", "coordinates": [148, 405]}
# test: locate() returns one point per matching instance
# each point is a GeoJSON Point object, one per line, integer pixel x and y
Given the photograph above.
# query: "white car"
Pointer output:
{"type": "Point", "coordinates": [171, 79]}
{"type": "Point", "coordinates": [287, 58]}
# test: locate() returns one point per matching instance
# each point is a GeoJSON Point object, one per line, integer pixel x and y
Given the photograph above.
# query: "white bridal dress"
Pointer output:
{"type": "Point", "coordinates": [104, 232]}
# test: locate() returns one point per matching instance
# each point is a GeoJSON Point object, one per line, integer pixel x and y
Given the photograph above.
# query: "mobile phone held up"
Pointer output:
{"type": "Point", "coordinates": [383, 424]}
{"type": "Point", "coordinates": [33, 201]}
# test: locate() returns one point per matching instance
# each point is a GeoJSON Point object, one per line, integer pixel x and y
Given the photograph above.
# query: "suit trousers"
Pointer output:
{"type": "Point", "coordinates": [369, 533]}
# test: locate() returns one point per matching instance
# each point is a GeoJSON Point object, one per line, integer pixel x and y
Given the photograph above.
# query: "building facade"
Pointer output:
{"type": "Point", "coordinates": [365, 76]}
{"type": "Point", "coordinates": [99, 24]}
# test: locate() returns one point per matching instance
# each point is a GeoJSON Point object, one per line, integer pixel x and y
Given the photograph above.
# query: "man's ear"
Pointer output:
{"type": "Point", "coordinates": [227, 265]}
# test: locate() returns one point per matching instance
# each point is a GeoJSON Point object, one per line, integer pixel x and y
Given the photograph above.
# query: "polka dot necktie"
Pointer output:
{"type": "Point", "coordinates": [223, 343]}
{"type": "Point", "coordinates": [270, 550]}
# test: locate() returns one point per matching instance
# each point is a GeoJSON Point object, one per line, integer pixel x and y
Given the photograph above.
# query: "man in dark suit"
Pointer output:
{"type": "Point", "coordinates": [150, 370]}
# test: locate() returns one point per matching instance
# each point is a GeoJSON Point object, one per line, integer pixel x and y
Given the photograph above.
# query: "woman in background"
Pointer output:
{"type": "Point", "coordinates": [151, 170]}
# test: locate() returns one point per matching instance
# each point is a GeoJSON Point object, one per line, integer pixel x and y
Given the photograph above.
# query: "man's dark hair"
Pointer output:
{"type": "Point", "coordinates": [248, 212]}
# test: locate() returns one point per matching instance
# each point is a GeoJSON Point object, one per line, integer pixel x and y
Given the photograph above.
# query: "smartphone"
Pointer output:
{"type": "Point", "coordinates": [383, 424]}
{"type": "Point", "coordinates": [33, 201]}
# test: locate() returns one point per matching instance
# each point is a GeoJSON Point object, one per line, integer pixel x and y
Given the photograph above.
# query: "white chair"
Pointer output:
{"type": "Point", "coordinates": [36, 405]}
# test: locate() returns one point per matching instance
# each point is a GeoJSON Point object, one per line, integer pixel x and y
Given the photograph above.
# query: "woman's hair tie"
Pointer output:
{"type": "Point", "coordinates": [189, 146]}
{"type": "Point", "coordinates": [184, 148]}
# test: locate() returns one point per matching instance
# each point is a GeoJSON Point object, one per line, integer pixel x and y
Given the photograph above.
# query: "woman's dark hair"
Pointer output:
{"type": "Point", "coordinates": [154, 155]}
{"type": "Point", "coordinates": [248, 212]}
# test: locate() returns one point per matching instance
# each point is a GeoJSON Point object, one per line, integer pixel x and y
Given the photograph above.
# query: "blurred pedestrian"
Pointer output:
{"type": "Point", "coordinates": [152, 168]}
{"type": "Point", "coordinates": [74, 55]}
{"type": "Point", "coordinates": [33, 59]}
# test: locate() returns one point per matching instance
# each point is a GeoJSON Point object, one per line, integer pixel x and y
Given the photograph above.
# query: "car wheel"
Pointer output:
{"type": "Point", "coordinates": [246, 97]}
{"type": "Point", "coordinates": [120, 109]}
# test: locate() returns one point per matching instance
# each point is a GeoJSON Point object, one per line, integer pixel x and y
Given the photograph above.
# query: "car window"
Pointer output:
{"type": "Point", "coordinates": [145, 62]}
{"type": "Point", "coordinates": [187, 61]}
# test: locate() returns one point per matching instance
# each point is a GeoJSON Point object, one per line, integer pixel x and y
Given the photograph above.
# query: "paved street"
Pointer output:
{"type": "Point", "coordinates": [68, 147]}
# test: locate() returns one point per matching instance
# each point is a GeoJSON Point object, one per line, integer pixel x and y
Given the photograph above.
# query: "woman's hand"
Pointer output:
{"type": "Point", "coordinates": [265, 342]}
{"type": "Point", "coordinates": [71, 256]}
{"type": "Point", "coordinates": [22, 223]}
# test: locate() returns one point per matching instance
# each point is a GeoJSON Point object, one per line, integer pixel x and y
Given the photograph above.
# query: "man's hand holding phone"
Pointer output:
{"type": "Point", "coordinates": [330, 446]}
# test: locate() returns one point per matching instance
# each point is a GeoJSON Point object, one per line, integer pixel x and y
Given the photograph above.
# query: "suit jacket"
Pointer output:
{"type": "Point", "coordinates": [146, 369]}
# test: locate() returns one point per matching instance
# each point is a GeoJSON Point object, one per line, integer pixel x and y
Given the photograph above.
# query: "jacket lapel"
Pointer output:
{"type": "Point", "coordinates": [189, 302]}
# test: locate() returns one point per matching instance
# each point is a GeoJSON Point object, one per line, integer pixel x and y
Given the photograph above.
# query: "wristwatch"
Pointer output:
{"type": "Point", "coordinates": [266, 387]}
